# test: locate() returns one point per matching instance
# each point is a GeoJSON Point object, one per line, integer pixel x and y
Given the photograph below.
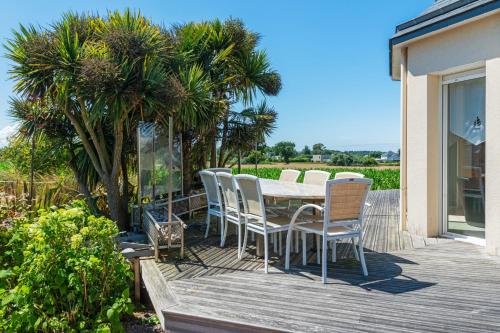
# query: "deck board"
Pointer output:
{"type": "Point", "coordinates": [447, 286]}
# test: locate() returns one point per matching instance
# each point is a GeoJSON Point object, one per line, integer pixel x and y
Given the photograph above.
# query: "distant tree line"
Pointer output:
{"type": "Point", "coordinates": [287, 152]}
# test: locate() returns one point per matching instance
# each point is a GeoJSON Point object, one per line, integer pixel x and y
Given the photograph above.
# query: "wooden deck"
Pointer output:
{"type": "Point", "coordinates": [446, 287]}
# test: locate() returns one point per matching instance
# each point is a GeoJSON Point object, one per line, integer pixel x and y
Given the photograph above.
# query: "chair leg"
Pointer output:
{"type": "Point", "coordinates": [318, 247]}
{"type": "Point", "coordinates": [275, 242]}
{"type": "Point", "coordinates": [253, 236]}
{"type": "Point", "coordinates": [223, 232]}
{"type": "Point", "coordinates": [334, 250]}
{"type": "Point", "coordinates": [280, 244]}
{"type": "Point", "coordinates": [222, 224]}
{"type": "Point", "coordinates": [296, 233]}
{"type": "Point", "coordinates": [304, 248]}
{"type": "Point", "coordinates": [208, 225]}
{"type": "Point", "coordinates": [356, 255]}
{"type": "Point", "coordinates": [245, 237]}
{"type": "Point", "coordinates": [324, 267]}
{"type": "Point", "coordinates": [266, 254]}
{"type": "Point", "coordinates": [288, 245]}
{"type": "Point", "coordinates": [239, 240]}
{"type": "Point", "coordinates": [362, 255]}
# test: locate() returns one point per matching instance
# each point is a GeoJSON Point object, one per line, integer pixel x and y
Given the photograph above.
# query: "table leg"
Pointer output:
{"type": "Point", "coordinates": [259, 245]}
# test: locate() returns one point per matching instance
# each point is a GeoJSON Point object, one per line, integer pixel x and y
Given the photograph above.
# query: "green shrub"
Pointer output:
{"type": "Point", "coordinates": [301, 158]}
{"type": "Point", "coordinates": [383, 179]}
{"type": "Point", "coordinates": [254, 156]}
{"type": "Point", "coordinates": [70, 277]}
{"type": "Point", "coordinates": [368, 161]}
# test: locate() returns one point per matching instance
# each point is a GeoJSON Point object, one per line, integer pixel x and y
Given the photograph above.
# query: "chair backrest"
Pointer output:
{"type": "Point", "coordinates": [344, 175]}
{"type": "Point", "coordinates": [345, 199]}
{"type": "Point", "coordinates": [289, 176]}
{"type": "Point", "coordinates": [216, 170]}
{"type": "Point", "coordinates": [211, 187]}
{"type": "Point", "coordinates": [251, 195]}
{"type": "Point", "coordinates": [316, 177]}
{"type": "Point", "coordinates": [229, 191]}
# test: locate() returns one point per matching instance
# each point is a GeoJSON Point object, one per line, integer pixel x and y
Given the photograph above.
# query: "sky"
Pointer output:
{"type": "Point", "coordinates": [332, 55]}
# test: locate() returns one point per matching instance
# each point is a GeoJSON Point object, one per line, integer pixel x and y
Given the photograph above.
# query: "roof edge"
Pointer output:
{"type": "Point", "coordinates": [472, 13]}
{"type": "Point", "coordinates": [433, 14]}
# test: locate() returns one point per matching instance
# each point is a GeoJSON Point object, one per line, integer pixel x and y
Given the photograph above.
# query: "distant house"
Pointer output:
{"type": "Point", "coordinates": [448, 62]}
{"type": "Point", "coordinates": [321, 158]}
{"type": "Point", "coordinates": [389, 157]}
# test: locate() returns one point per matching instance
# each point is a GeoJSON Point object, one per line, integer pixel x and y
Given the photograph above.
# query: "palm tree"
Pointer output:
{"type": "Point", "coordinates": [103, 73]}
{"type": "Point", "coordinates": [246, 74]}
{"type": "Point", "coordinates": [232, 70]}
{"type": "Point", "coordinates": [249, 128]}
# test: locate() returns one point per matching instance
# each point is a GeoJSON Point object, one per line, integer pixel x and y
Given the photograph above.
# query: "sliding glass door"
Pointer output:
{"type": "Point", "coordinates": [464, 156]}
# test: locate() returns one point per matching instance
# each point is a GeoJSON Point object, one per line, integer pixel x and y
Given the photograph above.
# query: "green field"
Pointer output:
{"type": "Point", "coordinates": [383, 179]}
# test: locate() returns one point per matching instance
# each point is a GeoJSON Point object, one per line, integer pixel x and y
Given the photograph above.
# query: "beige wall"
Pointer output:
{"type": "Point", "coordinates": [493, 156]}
{"type": "Point", "coordinates": [423, 154]}
{"type": "Point", "coordinates": [475, 44]}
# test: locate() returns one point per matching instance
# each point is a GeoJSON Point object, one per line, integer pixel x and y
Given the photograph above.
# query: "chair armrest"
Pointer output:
{"type": "Point", "coordinates": [290, 229]}
{"type": "Point", "coordinates": [301, 209]}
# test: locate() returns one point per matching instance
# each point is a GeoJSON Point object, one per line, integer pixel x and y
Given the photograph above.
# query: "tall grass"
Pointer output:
{"type": "Point", "coordinates": [383, 179]}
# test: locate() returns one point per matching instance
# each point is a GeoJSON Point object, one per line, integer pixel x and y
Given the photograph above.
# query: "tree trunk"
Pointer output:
{"type": "Point", "coordinates": [187, 168]}
{"type": "Point", "coordinates": [125, 189]}
{"type": "Point", "coordinates": [117, 208]}
{"type": "Point", "coordinates": [82, 186]}
{"type": "Point", "coordinates": [239, 160]}
{"type": "Point", "coordinates": [223, 143]}
{"type": "Point", "coordinates": [32, 171]}
{"type": "Point", "coordinates": [256, 155]}
{"type": "Point", "coordinates": [213, 151]}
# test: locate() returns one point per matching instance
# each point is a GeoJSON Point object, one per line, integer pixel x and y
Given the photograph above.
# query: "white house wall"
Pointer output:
{"type": "Point", "coordinates": [472, 45]}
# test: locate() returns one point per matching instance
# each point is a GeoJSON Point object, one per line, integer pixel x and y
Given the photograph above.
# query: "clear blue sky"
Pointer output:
{"type": "Point", "coordinates": [332, 55]}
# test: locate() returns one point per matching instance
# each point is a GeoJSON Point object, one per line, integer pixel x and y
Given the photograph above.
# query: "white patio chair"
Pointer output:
{"type": "Point", "coordinates": [344, 175]}
{"type": "Point", "coordinates": [231, 206]}
{"type": "Point", "coordinates": [254, 213]}
{"type": "Point", "coordinates": [342, 218]}
{"type": "Point", "coordinates": [316, 177]}
{"type": "Point", "coordinates": [289, 176]}
{"type": "Point", "coordinates": [214, 201]}
{"type": "Point", "coordinates": [338, 175]}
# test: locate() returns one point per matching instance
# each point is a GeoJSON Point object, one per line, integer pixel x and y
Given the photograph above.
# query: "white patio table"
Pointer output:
{"type": "Point", "coordinates": [297, 191]}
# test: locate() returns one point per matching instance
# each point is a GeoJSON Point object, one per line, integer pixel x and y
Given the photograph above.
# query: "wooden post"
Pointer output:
{"type": "Point", "coordinates": [157, 246]}
{"type": "Point", "coordinates": [137, 279]}
{"type": "Point", "coordinates": [182, 240]}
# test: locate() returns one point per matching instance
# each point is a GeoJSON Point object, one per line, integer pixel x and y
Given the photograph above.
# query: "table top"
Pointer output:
{"type": "Point", "coordinates": [275, 188]}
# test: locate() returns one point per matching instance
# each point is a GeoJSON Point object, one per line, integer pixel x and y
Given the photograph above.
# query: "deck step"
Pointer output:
{"type": "Point", "coordinates": [184, 323]}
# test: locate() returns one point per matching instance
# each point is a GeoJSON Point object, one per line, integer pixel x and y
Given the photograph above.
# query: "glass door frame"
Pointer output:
{"type": "Point", "coordinates": [445, 81]}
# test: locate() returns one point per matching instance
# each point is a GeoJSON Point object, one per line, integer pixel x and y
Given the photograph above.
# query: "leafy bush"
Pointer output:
{"type": "Point", "coordinates": [347, 159]}
{"type": "Point", "coordinates": [342, 159]}
{"type": "Point", "coordinates": [368, 161]}
{"type": "Point", "coordinates": [383, 179]}
{"type": "Point", "coordinates": [255, 156]}
{"type": "Point", "coordinates": [69, 276]}
{"type": "Point", "coordinates": [301, 158]}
